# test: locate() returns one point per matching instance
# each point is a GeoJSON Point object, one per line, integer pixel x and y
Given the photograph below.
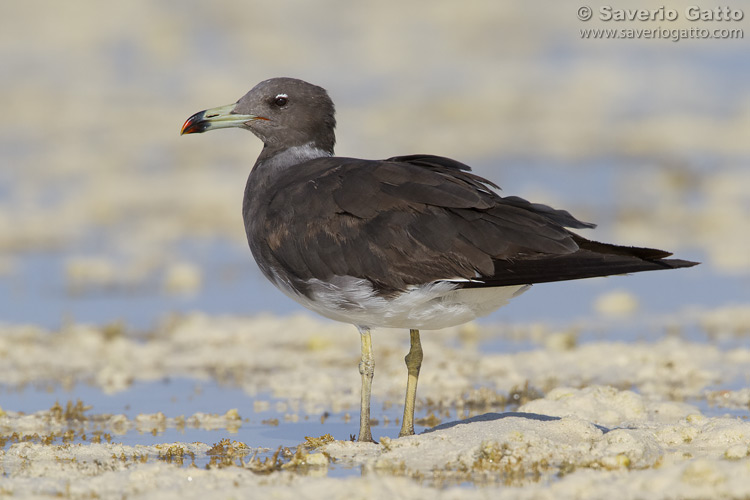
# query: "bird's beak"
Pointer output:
{"type": "Point", "coordinates": [221, 117]}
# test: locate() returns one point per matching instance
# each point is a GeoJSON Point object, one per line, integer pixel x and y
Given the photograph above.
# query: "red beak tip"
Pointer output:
{"type": "Point", "coordinates": [186, 127]}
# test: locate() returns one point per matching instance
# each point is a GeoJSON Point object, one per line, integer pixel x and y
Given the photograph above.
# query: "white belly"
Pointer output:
{"type": "Point", "coordinates": [433, 306]}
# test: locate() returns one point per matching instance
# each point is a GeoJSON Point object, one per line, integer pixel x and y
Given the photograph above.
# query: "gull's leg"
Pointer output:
{"type": "Point", "coordinates": [366, 369]}
{"type": "Point", "coordinates": [413, 364]}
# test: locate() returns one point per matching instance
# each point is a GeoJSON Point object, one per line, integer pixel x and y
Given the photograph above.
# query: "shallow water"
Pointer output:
{"type": "Point", "coordinates": [647, 138]}
{"type": "Point", "coordinates": [264, 432]}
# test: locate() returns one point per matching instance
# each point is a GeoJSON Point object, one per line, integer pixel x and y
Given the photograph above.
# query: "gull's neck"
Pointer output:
{"type": "Point", "coordinates": [271, 166]}
{"type": "Point", "coordinates": [275, 160]}
{"type": "Point", "coordinates": [272, 159]}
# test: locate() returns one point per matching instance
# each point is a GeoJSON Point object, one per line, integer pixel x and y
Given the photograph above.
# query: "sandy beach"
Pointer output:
{"type": "Point", "coordinates": [143, 355]}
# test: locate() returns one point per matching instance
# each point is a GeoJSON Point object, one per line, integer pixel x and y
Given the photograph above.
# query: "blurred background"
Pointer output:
{"type": "Point", "coordinates": [107, 214]}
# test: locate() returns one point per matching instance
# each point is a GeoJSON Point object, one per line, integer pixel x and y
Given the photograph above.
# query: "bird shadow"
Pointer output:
{"type": "Point", "coordinates": [488, 417]}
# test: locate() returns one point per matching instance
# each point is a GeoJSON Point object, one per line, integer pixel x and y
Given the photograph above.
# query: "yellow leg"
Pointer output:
{"type": "Point", "coordinates": [367, 370]}
{"type": "Point", "coordinates": [413, 364]}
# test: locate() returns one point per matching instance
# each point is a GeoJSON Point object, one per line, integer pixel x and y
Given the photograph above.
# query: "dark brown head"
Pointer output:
{"type": "Point", "coordinates": [282, 112]}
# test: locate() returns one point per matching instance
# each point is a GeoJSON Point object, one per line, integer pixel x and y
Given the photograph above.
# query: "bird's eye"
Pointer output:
{"type": "Point", "coordinates": [281, 100]}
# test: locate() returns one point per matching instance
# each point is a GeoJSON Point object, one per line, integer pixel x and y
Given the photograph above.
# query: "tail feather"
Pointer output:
{"type": "Point", "coordinates": [610, 249]}
{"type": "Point", "coordinates": [593, 259]}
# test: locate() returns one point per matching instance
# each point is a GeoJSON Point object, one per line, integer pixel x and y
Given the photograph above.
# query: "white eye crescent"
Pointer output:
{"type": "Point", "coordinates": [281, 100]}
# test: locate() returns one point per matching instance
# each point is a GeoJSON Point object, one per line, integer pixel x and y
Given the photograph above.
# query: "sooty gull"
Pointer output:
{"type": "Point", "coordinates": [415, 242]}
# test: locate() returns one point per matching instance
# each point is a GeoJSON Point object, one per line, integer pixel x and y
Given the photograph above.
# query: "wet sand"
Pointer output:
{"type": "Point", "coordinates": [559, 420]}
{"type": "Point", "coordinates": [143, 356]}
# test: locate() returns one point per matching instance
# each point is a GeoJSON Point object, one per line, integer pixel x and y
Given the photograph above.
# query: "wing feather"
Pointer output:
{"type": "Point", "coordinates": [415, 219]}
